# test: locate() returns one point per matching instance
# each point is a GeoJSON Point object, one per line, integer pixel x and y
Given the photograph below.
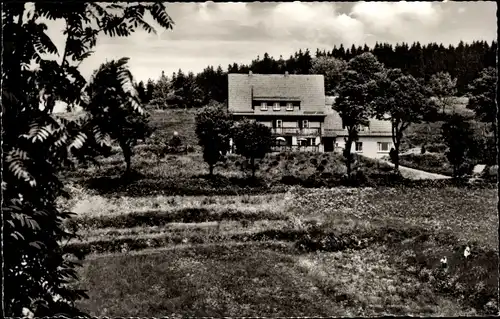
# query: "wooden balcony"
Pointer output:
{"type": "Point", "coordinates": [366, 132]}
{"type": "Point", "coordinates": [294, 131]}
{"type": "Point", "coordinates": [294, 148]}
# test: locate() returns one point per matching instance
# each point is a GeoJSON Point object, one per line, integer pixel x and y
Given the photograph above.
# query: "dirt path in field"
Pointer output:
{"type": "Point", "coordinates": [412, 173]}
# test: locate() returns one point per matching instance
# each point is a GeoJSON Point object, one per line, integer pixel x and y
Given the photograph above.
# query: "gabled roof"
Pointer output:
{"type": "Point", "coordinates": [333, 121]}
{"type": "Point", "coordinates": [308, 89]}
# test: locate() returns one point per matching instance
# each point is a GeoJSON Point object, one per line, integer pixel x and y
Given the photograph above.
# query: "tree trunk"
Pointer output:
{"type": "Point", "coordinates": [396, 156]}
{"type": "Point", "coordinates": [348, 155]}
{"type": "Point", "coordinates": [253, 167]}
{"type": "Point", "coordinates": [211, 169]}
{"type": "Point", "coordinates": [127, 155]}
{"type": "Point", "coordinates": [494, 126]}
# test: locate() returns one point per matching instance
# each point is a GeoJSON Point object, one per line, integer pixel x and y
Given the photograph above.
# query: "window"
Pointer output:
{"type": "Point", "coordinates": [383, 146]}
{"type": "Point", "coordinates": [276, 106]}
{"type": "Point", "coordinates": [362, 128]}
{"type": "Point", "coordinates": [289, 106]}
{"type": "Point", "coordinates": [263, 106]}
{"type": "Point", "coordinates": [279, 123]}
{"type": "Point", "coordinates": [359, 146]}
{"type": "Point", "coordinates": [305, 124]}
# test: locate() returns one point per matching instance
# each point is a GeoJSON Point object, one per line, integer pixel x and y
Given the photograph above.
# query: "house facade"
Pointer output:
{"type": "Point", "coordinates": [374, 140]}
{"type": "Point", "coordinates": [298, 113]}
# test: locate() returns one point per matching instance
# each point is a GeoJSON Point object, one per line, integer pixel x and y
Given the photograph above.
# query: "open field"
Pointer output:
{"type": "Point", "coordinates": [361, 251]}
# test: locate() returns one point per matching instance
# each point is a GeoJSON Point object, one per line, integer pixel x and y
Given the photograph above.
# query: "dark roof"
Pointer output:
{"type": "Point", "coordinates": [309, 89]}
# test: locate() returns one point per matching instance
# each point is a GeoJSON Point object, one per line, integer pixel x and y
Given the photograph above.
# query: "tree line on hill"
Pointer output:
{"type": "Point", "coordinates": [462, 62]}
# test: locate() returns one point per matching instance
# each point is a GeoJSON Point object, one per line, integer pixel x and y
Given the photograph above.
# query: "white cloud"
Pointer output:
{"type": "Point", "coordinates": [314, 21]}
{"type": "Point", "coordinates": [288, 21]}
{"type": "Point", "coordinates": [396, 18]}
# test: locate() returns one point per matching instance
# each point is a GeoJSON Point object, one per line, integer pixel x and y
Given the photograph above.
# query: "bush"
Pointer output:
{"type": "Point", "coordinates": [326, 175]}
{"type": "Point", "coordinates": [313, 161]}
{"type": "Point", "coordinates": [437, 148]}
{"type": "Point", "coordinates": [425, 160]}
{"type": "Point", "coordinates": [274, 163]}
{"type": "Point", "coordinates": [290, 180]}
{"type": "Point", "coordinates": [490, 173]}
{"type": "Point", "coordinates": [357, 179]}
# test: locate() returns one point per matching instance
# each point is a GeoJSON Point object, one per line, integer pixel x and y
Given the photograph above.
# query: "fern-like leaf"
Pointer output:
{"type": "Point", "coordinates": [15, 160]}
{"type": "Point", "coordinates": [159, 13]}
{"type": "Point", "coordinates": [78, 141]}
{"type": "Point", "coordinates": [26, 220]}
{"type": "Point", "coordinates": [39, 133]}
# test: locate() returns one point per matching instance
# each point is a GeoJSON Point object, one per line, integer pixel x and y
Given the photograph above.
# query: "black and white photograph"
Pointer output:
{"type": "Point", "coordinates": [249, 159]}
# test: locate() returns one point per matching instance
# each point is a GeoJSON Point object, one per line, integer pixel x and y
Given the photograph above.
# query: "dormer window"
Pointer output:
{"type": "Point", "coordinates": [276, 106]}
{"type": "Point", "coordinates": [263, 106]}
{"type": "Point", "coordinates": [289, 106]}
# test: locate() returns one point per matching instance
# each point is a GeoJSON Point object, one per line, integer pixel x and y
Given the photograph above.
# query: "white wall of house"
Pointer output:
{"type": "Point", "coordinates": [317, 140]}
{"type": "Point", "coordinates": [291, 124]}
{"type": "Point", "coordinates": [266, 123]}
{"type": "Point", "coordinates": [314, 124]}
{"type": "Point", "coordinates": [370, 145]}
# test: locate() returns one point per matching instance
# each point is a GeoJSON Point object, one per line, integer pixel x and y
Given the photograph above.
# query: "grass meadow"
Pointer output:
{"type": "Point", "coordinates": [169, 241]}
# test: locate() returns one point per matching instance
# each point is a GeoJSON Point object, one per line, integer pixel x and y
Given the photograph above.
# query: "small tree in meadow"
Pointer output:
{"type": "Point", "coordinates": [402, 100]}
{"type": "Point", "coordinates": [355, 93]}
{"type": "Point", "coordinates": [160, 93]}
{"type": "Point", "coordinates": [482, 98]}
{"type": "Point", "coordinates": [213, 128]}
{"type": "Point", "coordinates": [443, 88]}
{"type": "Point", "coordinates": [113, 114]}
{"type": "Point", "coordinates": [459, 137]}
{"type": "Point", "coordinates": [252, 140]}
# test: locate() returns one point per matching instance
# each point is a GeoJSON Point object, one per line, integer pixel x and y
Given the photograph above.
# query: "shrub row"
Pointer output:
{"type": "Point", "coordinates": [237, 186]}
{"type": "Point", "coordinates": [160, 218]}
{"type": "Point", "coordinates": [310, 239]}
{"type": "Point", "coordinates": [196, 186]}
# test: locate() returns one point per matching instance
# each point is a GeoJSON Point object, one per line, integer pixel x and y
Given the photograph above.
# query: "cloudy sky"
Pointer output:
{"type": "Point", "coordinates": [222, 33]}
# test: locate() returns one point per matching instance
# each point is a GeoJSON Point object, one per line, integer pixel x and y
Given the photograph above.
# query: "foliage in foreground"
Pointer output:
{"type": "Point", "coordinates": [37, 145]}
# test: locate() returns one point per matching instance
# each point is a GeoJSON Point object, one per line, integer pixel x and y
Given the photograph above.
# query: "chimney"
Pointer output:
{"type": "Point", "coordinates": [250, 73]}
{"type": "Point", "coordinates": [286, 73]}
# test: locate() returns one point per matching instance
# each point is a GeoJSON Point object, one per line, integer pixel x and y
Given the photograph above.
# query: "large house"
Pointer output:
{"type": "Point", "coordinates": [299, 114]}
